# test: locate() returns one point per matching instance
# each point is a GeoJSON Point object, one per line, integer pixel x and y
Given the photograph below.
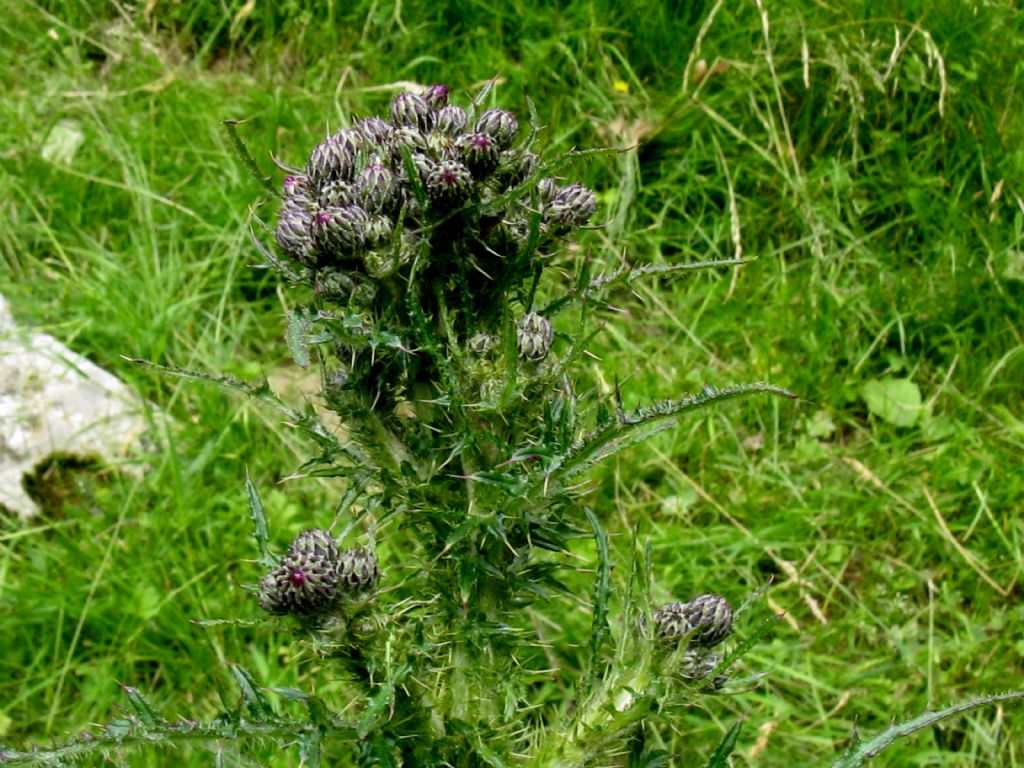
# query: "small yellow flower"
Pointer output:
{"type": "Point", "coordinates": [621, 86]}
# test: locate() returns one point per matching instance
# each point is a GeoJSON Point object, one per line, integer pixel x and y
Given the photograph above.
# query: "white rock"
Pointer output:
{"type": "Point", "coordinates": [53, 400]}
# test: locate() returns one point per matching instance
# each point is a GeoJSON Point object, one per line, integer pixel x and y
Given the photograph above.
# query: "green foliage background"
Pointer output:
{"type": "Point", "coordinates": [866, 157]}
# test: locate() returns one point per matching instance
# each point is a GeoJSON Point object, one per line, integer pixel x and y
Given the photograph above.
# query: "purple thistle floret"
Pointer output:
{"type": "Point", "coordinates": [479, 152]}
{"type": "Point", "coordinates": [449, 183]}
{"type": "Point", "coordinates": [436, 96]}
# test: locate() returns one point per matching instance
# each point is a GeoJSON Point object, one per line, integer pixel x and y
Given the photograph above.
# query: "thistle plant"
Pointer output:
{"type": "Point", "coordinates": [427, 251]}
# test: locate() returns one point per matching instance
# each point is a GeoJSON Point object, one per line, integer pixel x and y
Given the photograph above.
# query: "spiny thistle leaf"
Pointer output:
{"type": "Point", "coordinates": [721, 754]}
{"type": "Point", "coordinates": [612, 437]}
{"type": "Point", "coordinates": [257, 703]}
{"type": "Point", "coordinates": [246, 158]}
{"type": "Point", "coordinates": [260, 532]}
{"type": "Point", "coordinates": [307, 422]}
{"type": "Point", "coordinates": [861, 751]}
{"type": "Point", "coordinates": [602, 594]}
{"type": "Point", "coordinates": [147, 713]}
{"type": "Point", "coordinates": [599, 285]}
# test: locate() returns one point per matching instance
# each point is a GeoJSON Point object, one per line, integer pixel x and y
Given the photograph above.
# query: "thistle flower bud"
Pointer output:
{"type": "Point", "coordinates": [711, 618]}
{"type": "Point", "coordinates": [451, 120]}
{"type": "Point", "coordinates": [332, 158]}
{"type": "Point", "coordinates": [534, 336]}
{"type": "Point", "coordinates": [499, 124]}
{"type": "Point", "coordinates": [293, 231]}
{"type": "Point", "coordinates": [376, 132]}
{"type": "Point", "coordinates": [409, 137]}
{"type": "Point", "coordinates": [335, 194]}
{"type": "Point", "coordinates": [358, 570]}
{"type": "Point", "coordinates": [478, 152]}
{"type": "Point", "coordinates": [481, 344]}
{"type": "Point", "coordinates": [378, 231]}
{"type": "Point", "coordinates": [546, 190]}
{"type": "Point", "coordinates": [340, 229]}
{"type": "Point", "coordinates": [306, 581]}
{"type": "Point", "coordinates": [409, 109]}
{"type": "Point", "coordinates": [670, 621]}
{"type": "Point", "coordinates": [449, 183]}
{"type": "Point", "coordinates": [436, 95]}
{"type": "Point", "coordinates": [515, 167]}
{"type": "Point", "coordinates": [334, 285]}
{"type": "Point", "coordinates": [375, 187]}
{"type": "Point", "coordinates": [572, 206]}
{"type": "Point", "coordinates": [698, 664]}
{"type": "Point", "coordinates": [381, 263]}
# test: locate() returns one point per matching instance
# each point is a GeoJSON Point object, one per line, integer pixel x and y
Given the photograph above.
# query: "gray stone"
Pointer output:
{"type": "Point", "coordinates": [54, 401]}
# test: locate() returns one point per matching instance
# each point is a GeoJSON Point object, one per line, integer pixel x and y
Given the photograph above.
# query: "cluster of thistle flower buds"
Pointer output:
{"type": "Point", "coordinates": [433, 208]}
{"type": "Point", "coordinates": [703, 622]}
{"type": "Point", "coordinates": [367, 192]}
{"type": "Point", "coordinates": [314, 576]}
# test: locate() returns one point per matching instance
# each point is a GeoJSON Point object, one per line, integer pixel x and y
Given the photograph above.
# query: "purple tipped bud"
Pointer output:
{"type": "Point", "coordinates": [335, 194]}
{"type": "Point", "coordinates": [449, 183]}
{"type": "Point", "coordinates": [375, 187]}
{"type": "Point", "coordinates": [341, 230]}
{"type": "Point", "coordinates": [293, 232]}
{"type": "Point", "coordinates": [479, 152]}
{"type": "Point", "coordinates": [331, 160]}
{"type": "Point", "coordinates": [499, 124]}
{"type": "Point", "coordinates": [534, 336]}
{"type": "Point", "coordinates": [307, 580]}
{"type": "Point", "coordinates": [408, 109]}
{"type": "Point", "coordinates": [572, 206]}
{"type": "Point", "coordinates": [451, 120]}
{"type": "Point", "coordinates": [436, 96]}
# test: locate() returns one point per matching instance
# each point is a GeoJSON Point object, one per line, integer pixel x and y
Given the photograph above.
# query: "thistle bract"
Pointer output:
{"type": "Point", "coordinates": [711, 618]}
{"type": "Point", "coordinates": [534, 335]}
{"type": "Point", "coordinates": [358, 570]}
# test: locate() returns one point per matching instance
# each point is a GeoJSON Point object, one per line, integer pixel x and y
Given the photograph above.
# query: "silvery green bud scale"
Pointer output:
{"type": "Point", "coordinates": [706, 620]}
{"type": "Point", "coordinates": [534, 336]}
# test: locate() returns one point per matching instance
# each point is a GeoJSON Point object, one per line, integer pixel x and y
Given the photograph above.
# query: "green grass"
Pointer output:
{"type": "Point", "coordinates": [867, 160]}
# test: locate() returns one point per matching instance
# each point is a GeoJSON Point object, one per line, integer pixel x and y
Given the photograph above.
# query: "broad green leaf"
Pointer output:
{"type": "Point", "coordinates": [725, 747]}
{"type": "Point", "coordinates": [895, 401]}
